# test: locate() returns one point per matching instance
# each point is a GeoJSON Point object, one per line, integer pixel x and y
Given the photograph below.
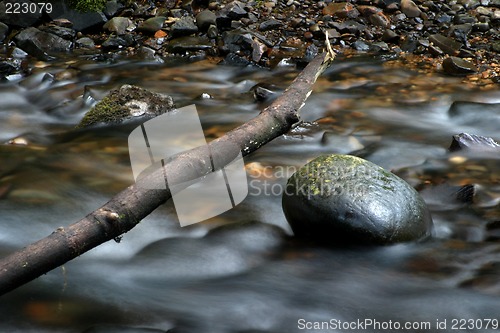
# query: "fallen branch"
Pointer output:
{"type": "Point", "coordinates": [129, 207]}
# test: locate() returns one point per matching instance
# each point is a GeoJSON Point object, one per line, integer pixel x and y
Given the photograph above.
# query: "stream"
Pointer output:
{"type": "Point", "coordinates": [242, 271]}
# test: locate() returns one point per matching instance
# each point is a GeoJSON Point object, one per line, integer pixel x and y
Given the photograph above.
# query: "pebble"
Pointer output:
{"type": "Point", "coordinates": [184, 27]}
{"type": "Point", "coordinates": [458, 66]}
{"type": "Point", "coordinates": [409, 8]}
{"type": "Point", "coordinates": [205, 19]}
{"type": "Point", "coordinates": [152, 25]}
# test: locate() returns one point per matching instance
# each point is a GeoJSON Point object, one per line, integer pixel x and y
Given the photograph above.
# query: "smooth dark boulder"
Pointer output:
{"type": "Point", "coordinates": [345, 199]}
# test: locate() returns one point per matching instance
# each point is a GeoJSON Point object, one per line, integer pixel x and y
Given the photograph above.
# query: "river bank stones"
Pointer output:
{"type": "Point", "coordinates": [345, 199]}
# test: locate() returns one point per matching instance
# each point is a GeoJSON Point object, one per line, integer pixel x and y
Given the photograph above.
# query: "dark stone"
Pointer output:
{"type": "Point", "coordinates": [8, 67]}
{"type": "Point", "coordinates": [390, 36]}
{"type": "Point", "coordinates": [270, 25]}
{"type": "Point", "coordinates": [4, 29]}
{"type": "Point", "coordinates": [448, 45]}
{"type": "Point", "coordinates": [112, 7]}
{"type": "Point", "coordinates": [258, 50]}
{"type": "Point", "coordinates": [184, 27]}
{"type": "Point", "coordinates": [82, 21]}
{"type": "Point", "coordinates": [263, 92]}
{"type": "Point", "coordinates": [152, 25]}
{"type": "Point", "coordinates": [41, 44]}
{"type": "Point", "coordinates": [118, 42]}
{"type": "Point", "coordinates": [311, 52]}
{"type": "Point", "coordinates": [444, 18]}
{"type": "Point", "coordinates": [205, 19]}
{"type": "Point", "coordinates": [379, 46]}
{"type": "Point", "coordinates": [62, 32]}
{"type": "Point", "coordinates": [380, 20]}
{"type": "Point", "coordinates": [212, 31]}
{"type": "Point", "coordinates": [119, 25]}
{"type": "Point", "coordinates": [460, 32]}
{"type": "Point", "coordinates": [85, 42]}
{"type": "Point", "coordinates": [22, 20]}
{"type": "Point", "coordinates": [345, 199]}
{"type": "Point", "coordinates": [458, 66]}
{"type": "Point", "coordinates": [464, 18]}
{"type": "Point", "coordinates": [232, 11]}
{"type": "Point", "coordinates": [360, 45]}
{"type": "Point", "coordinates": [233, 59]}
{"type": "Point", "coordinates": [472, 142]}
{"type": "Point", "coordinates": [189, 43]}
{"type": "Point", "coordinates": [410, 9]}
{"type": "Point", "coordinates": [237, 39]}
{"type": "Point", "coordinates": [349, 26]}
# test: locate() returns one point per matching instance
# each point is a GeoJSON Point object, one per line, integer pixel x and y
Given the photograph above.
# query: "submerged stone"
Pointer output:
{"type": "Point", "coordinates": [126, 103]}
{"type": "Point", "coordinates": [345, 199]}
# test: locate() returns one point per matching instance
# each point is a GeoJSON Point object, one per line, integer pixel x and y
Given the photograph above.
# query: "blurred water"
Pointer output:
{"type": "Point", "coordinates": [242, 271]}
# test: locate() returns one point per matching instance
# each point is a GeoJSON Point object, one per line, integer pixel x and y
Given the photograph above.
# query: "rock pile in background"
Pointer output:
{"type": "Point", "coordinates": [459, 37]}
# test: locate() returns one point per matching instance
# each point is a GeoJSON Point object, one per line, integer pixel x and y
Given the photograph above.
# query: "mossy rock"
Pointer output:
{"type": "Point", "coordinates": [346, 199]}
{"type": "Point", "coordinates": [127, 102]}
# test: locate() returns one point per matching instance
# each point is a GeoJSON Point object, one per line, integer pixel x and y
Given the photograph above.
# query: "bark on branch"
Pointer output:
{"type": "Point", "coordinates": [129, 207]}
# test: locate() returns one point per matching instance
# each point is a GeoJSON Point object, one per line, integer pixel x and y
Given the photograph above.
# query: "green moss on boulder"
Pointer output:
{"type": "Point", "coordinates": [126, 103]}
{"type": "Point", "coordinates": [343, 198]}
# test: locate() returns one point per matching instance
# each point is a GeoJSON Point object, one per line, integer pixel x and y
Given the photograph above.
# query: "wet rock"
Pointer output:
{"type": "Point", "coordinates": [233, 59]}
{"type": "Point", "coordinates": [263, 92]}
{"type": "Point", "coordinates": [341, 10]}
{"type": "Point", "coordinates": [184, 27]}
{"type": "Point", "coordinates": [345, 199]}
{"type": "Point", "coordinates": [458, 66]}
{"type": "Point", "coordinates": [112, 8]}
{"type": "Point", "coordinates": [212, 31]}
{"type": "Point", "coordinates": [17, 53]}
{"type": "Point", "coordinates": [85, 42]}
{"type": "Point", "coordinates": [205, 19]}
{"type": "Point", "coordinates": [152, 25]}
{"type": "Point", "coordinates": [189, 43]}
{"type": "Point", "coordinates": [237, 39]}
{"type": "Point", "coordinates": [63, 32]}
{"type": "Point", "coordinates": [410, 9]}
{"type": "Point", "coordinates": [118, 42]}
{"type": "Point", "coordinates": [41, 44]}
{"type": "Point", "coordinates": [82, 21]}
{"type": "Point", "coordinates": [125, 103]}
{"type": "Point", "coordinates": [390, 36]}
{"type": "Point", "coordinates": [349, 26]}
{"type": "Point", "coordinates": [119, 25]}
{"type": "Point", "coordinates": [258, 50]}
{"type": "Point", "coordinates": [270, 25]}
{"type": "Point", "coordinates": [472, 142]}
{"type": "Point", "coordinates": [448, 45]}
{"type": "Point", "coordinates": [380, 20]}
{"type": "Point", "coordinates": [232, 11]}
{"type": "Point", "coordinates": [22, 20]}
{"type": "Point", "coordinates": [8, 67]}
{"type": "Point", "coordinates": [360, 45]}
{"type": "Point", "coordinates": [4, 29]}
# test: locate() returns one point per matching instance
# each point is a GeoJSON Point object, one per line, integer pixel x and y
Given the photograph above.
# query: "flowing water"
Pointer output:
{"type": "Point", "coordinates": [242, 271]}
